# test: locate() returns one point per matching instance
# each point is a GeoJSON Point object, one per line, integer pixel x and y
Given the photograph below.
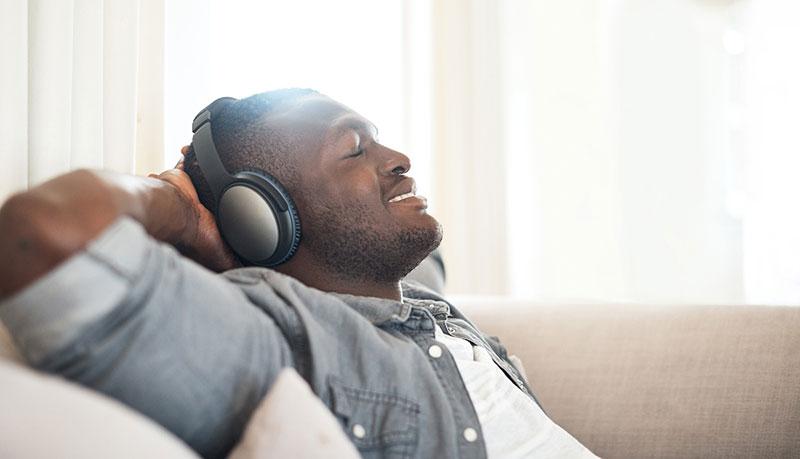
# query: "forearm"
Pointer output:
{"type": "Point", "coordinates": [45, 225]}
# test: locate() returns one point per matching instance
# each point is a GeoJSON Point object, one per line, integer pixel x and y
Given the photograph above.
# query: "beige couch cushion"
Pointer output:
{"type": "Point", "coordinates": [669, 381]}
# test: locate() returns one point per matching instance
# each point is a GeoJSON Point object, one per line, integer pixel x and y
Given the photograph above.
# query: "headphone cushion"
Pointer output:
{"type": "Point", "coordinates": [284, 213]}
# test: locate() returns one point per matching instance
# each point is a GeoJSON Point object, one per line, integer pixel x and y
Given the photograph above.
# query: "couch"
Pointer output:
{"type": "Point", "coordinates": [629, 381]}
{"type": "Point", "coordinates": [639, 381]}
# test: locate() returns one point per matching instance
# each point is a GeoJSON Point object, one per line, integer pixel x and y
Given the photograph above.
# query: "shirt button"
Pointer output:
{"type": "Point", "coordinates": [435, 351]}
{"type": "Point", "coordinates": [470, 434]}
{"type": "Point", "coordinates": [359, 431]}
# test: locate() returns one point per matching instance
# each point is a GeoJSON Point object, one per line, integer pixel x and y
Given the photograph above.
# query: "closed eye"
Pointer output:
{"type": "Point", "coordinates": [356, 153]}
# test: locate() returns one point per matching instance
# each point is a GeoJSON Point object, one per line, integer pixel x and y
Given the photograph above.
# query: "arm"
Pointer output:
{"type": "Point", "coordinates": [43, 227]}
{"type": "Point", "coordinates": [98, 300]}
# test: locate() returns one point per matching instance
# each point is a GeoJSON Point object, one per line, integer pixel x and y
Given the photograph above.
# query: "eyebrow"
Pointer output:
{"type": "Point", "coordinates": [357, 124]}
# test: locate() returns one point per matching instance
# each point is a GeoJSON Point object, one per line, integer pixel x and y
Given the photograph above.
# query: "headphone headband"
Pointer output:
{"type": "Point", "coordinates": [206, 152]}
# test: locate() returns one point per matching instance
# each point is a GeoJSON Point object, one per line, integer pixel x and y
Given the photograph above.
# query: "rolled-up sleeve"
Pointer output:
{"type": "Point", "coordinates": [132, 318]}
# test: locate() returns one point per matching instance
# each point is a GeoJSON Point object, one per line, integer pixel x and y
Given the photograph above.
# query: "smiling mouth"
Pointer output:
{"type": "Point", "coordinates": [409, 200]}
{"type": "Point", "coordinates": [410, 194]}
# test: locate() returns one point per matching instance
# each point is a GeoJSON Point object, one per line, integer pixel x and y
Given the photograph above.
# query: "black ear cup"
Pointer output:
{"type": "Point", "coordinates": [258, 219]}
{"type": "Point", "coordinates": [254, 212]}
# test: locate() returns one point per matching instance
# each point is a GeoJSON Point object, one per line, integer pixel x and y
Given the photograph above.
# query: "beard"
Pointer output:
{"type": "Point", "coordinates": [350, 242]}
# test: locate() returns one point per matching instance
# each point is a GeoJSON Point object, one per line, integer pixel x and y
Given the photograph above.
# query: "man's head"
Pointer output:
{"type": "Point", "coordinates": [245, 142]}
{"type": "Point", "coordinates": [342, 180]}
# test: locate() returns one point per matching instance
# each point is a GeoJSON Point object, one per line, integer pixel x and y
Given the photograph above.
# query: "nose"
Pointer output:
{"type": "Point", "coordinates": [395, 163]}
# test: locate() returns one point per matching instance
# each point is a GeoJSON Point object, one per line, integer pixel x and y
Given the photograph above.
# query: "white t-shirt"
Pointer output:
{"type": "Point", "coordinates": [513, 424]}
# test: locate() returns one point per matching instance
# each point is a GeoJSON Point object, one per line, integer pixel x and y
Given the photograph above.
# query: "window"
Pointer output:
{"type": "Point", "coordinates": [356, 51]}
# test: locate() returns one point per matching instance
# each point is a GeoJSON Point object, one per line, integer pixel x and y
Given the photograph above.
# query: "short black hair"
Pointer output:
{"type": "Point", "coordinates": [245, 143]}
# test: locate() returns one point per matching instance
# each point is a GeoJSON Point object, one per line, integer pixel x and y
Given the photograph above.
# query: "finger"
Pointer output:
{"type": "Point", "coordinates": [172, 173]}
{"type": "Point", "coordinates": [179, 164]}
{"type": "Point", "coordinates": [166, 176]}
{"type": "Point", "coordinates": [185, 150]}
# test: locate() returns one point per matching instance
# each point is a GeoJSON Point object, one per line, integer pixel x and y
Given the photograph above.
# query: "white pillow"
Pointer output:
{"type": "Point", "coordinates": [292, 422]}
{"type": "Point", "coordinates": [46, 416]}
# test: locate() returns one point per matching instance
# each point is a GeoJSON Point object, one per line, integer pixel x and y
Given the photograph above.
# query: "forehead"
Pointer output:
{"type": "Point", "coordinates": [322, 118]}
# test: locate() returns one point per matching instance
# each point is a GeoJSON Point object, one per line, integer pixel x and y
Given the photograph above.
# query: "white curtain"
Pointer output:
{"type": "Point", "coordinates": [469, 144]}
{"type": "Point", "coordinates": [580, 149]}
{"type": "Point", "coordinates": [82, 86]}
{"type": "Point", "coordinates": [768, 129]}
{"type": "Point", "coordinates": [618, 149]}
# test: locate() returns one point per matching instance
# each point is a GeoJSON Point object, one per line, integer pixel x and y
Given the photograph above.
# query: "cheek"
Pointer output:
{"type": "Point", "coordinates": [353, 187]}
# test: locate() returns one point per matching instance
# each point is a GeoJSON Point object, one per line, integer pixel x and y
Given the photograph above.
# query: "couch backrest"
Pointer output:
{"type": "Point", "coordinates": [659, 381]}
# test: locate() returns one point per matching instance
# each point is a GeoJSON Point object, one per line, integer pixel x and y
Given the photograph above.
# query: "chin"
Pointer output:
{"type": "Point", "coordinates": [429, 236]}
{"type": "Point", "coordinates": [413, 245]}
{"type": "Point", "coordinates": [439, 232]}
{"type": "Point", "coordinates": [426, 221]}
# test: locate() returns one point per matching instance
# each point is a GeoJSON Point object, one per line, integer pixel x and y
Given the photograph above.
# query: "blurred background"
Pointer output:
{"type": "Point", "coordinates": [574, 150]}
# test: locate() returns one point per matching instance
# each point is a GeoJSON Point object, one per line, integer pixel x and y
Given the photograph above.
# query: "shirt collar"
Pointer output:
{"type": "Point", "coordinates": [381, 311]}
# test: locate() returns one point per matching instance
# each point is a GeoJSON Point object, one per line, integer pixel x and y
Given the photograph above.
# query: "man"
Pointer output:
{"type": "Point", "coordinates": [92, 289]}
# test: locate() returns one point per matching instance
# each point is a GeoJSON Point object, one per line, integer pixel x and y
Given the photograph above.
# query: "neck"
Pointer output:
{"type": "Point", "coordinates": [316, 276]}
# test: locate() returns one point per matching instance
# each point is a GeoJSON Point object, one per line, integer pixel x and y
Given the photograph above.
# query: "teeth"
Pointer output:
{"type": "Point", "coordinates": [402, 196]}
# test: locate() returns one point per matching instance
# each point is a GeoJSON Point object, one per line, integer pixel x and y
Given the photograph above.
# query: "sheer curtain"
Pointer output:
{"type": "Point", "coordinates": [470, 144]}
{"type": "Point", "coordinates": [82, 86]}
{"type": "Point", "coordinates": [766, 129]}
{"type": "Point", "coordinates": [580, 149]}
{"type": "Point", "coordinates": [610, 150]}
{"type": "Point", "coordinates": [372, 56]}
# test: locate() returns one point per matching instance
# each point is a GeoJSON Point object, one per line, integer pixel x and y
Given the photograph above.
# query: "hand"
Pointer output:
{"type": "Point", "coordinates": [203, 242]}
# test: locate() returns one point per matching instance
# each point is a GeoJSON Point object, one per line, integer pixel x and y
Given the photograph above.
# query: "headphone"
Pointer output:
{"type": "Point", "coordinates": [254, 212]}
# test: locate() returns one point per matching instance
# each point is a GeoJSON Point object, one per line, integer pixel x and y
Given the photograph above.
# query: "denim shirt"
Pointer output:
{"type": "Point", "coordinates": [197, 351]}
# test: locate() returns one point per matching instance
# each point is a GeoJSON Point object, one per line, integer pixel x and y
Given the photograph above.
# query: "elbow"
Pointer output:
{"type": "Point", "coordinates": [66, 212]}
{"type": "Point", "coordinates": [32, 226]}
{"type": "Point", "coordinates": [42, 227]}
{"type": "Point", "coordinates": [28, 243]}
{"type": "Point", "coordinates": [22, 213]}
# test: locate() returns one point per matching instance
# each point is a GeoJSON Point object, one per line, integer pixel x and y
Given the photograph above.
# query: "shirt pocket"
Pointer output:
{"type": "Point", "coordinates": [380, 425]}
